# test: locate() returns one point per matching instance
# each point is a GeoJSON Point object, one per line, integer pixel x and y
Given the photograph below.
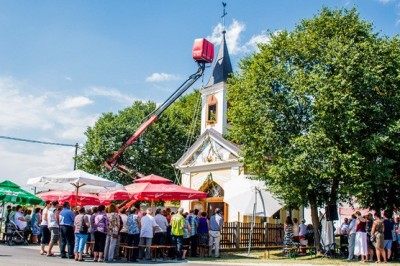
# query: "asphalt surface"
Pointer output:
{"type": "Point", "coordinates": [29, 256]}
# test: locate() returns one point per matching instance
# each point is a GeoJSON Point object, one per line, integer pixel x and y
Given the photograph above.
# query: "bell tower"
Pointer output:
{"type": "Point", "coordinates": [214, 102]}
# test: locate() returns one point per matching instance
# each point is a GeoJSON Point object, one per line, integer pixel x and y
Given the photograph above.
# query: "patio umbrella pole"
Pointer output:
{"type": "Point", "coordinates": [76, 196]}
{"type": "Point", "coordinates": [2, 217]}
{"type": "Point", "coordinates": [252, 222]}
{"type": "Point", "coordinates": [265, 213]}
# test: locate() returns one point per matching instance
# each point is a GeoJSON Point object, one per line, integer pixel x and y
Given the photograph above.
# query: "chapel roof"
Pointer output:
{"type": "Point", "coordinates": [222, 67]}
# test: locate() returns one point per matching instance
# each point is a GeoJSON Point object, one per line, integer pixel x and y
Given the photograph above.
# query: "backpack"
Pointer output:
{"type": "Point", "coordinates": [84, 228]}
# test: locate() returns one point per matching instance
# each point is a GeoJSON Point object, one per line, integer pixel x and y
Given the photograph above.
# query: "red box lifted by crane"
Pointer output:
{"type": "Point", "coordinates": [203, 51]}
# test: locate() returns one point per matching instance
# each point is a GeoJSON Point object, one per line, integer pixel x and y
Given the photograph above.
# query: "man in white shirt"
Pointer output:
{"type": "Point", "coordinates": [160, 232]}
{"type": "Point", "coordinates": [19, 218]}
{"type": "Point", "coordinates": [146, 233]}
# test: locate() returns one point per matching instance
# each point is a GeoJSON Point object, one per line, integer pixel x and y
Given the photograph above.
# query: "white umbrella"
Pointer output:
{"type": "Point", "coordinates": [243, 195]}
{"type": "Point", "coordinates": [77, 180]}
{"type": "Point", "coordinates": [240, 193]}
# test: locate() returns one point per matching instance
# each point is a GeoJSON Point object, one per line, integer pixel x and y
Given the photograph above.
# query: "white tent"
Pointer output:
{"type": "Point", "coordinates": [241, 194]}
{"type": "Point", "coordinates": [77, 180]}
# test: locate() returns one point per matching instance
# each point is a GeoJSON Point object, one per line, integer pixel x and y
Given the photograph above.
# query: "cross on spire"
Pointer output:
{"type": "Point", "coordinates": [223, 16]}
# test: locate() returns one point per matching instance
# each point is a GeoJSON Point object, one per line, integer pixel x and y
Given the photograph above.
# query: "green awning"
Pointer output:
{"type": "Point", "coordinates": [11, 192]}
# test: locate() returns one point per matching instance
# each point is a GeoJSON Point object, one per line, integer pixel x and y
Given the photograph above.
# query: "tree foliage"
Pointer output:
{"type": "Point", "coordinates": [316, 111]}
{"type": "Point", "coordinates": [154, 152]}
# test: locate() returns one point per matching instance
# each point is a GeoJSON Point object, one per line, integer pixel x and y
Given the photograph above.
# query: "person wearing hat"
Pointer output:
{"type": "Point", "coordinates": [216, 222]}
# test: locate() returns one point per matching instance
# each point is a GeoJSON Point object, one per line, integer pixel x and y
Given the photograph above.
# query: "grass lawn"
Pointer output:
{"type": "Point", "coordinates": [276, 257]}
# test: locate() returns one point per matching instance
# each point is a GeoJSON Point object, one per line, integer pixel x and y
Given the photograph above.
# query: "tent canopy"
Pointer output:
{"type": "Point", "coordinates": [11, 192]}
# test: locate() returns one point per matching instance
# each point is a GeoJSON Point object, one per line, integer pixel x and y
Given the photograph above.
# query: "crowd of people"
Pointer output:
{"type": "Point", "coordinates": [106, 228]}
{"type": "Point", "coordinates": [25, 220]}
{"type": "Point", "coordinates": [368, 237]}
{"type": "Point", "coordinates": [297, 234]}
{"type": "Point", "coordinates": [371, 236]}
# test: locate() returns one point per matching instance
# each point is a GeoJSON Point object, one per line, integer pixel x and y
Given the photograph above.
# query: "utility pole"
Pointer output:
{"type": "Point", "coordinates": [76, 155]}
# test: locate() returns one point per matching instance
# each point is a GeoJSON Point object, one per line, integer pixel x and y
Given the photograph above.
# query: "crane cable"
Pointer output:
{"type": "Point", "coordinates": [192, 128]}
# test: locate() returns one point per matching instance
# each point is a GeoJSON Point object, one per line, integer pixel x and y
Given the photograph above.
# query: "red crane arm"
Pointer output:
{"type": "Point", "coordinates": [203, 52]}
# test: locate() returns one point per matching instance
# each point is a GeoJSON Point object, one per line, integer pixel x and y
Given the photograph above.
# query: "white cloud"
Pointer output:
{"type": "Point", "coordinates": [41, 115]}
{"type": "Point", "coordinates": [38, 117]}
{"type": "Point", "coordinates": [34, 160]}
{"type": "Point", "coordinates": [232, 35]}
{"type": "Point", "coordinates": [114, 94]}
{"type": "Point", "coordinates": [22, 110]}
{"type": "Point", "coordinates": [162, 77]}
{"type": "Point", "coordinates": [75, 102]}
{"type": "Point", "coordinates": [255, 40]}
{"type": "Point", "coordinates": [67, 78]}
{"type": "Point", "coordinates": [234, 39]}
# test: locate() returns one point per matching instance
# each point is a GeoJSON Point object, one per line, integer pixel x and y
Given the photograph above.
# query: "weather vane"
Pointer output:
{"type": "Point", "coordinates": [223, 15]}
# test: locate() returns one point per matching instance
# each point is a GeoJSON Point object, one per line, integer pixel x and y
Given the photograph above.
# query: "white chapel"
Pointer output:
{"type": "Point", "coordinates": [212, 164]}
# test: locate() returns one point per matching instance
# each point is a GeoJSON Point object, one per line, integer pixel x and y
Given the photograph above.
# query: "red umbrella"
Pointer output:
{"type": "Point", "coordinates": [114, 195]}
{"type": "Point", "coordinates": [153, 179]}
{"type": "Point", "coordinates": [159, 188]}
{"type": "Point", "coordinates": [70, 196]}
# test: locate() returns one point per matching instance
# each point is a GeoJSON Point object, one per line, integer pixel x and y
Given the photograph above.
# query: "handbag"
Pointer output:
{"type": "Point", "coordinates": [84, 228]}
{"type": "Point", "coordinates": [373, 237]}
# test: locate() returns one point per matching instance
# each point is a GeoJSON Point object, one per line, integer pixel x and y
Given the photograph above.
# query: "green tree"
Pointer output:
{"type": "Point", "coordinates": [154, 152]}
{"type": "Point", "coordinates": [310, 108]}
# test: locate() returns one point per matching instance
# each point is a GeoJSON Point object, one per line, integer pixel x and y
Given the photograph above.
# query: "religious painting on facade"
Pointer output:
{"type": "Point", "coordinates": [213, 189]}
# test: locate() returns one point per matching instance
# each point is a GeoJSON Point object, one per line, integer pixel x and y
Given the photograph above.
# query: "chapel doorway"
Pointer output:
{"type": "Point", "coordinates": [213, 205]}
{"type": "Point", "coordinates": [215, 198]}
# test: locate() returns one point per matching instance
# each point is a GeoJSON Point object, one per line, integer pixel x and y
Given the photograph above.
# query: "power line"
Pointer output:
{"type": "Point", "coordinates": [40, 142]}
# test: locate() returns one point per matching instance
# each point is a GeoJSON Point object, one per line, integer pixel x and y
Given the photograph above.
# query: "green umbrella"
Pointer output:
{"type": "Point", "coordinates": [11, 192]}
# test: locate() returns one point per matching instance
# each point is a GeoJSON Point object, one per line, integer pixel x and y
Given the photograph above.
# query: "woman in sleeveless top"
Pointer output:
{"type": "Point", "coordinates": [112, 233]}
{"type": "Point", "coordinates": [361, 247]}
{"type": "Point", "coordinates": [377, 231]}
{"type": "Point", "coordinates": [288, 229]}
{"type": "Point", "coordinates": [101, 224]}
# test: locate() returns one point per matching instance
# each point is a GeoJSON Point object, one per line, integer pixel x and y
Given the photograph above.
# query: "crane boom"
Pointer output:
{"type": "Point", "coordinates": [203, 52]}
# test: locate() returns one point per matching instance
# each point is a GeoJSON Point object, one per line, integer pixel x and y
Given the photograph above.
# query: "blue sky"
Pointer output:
{"type": "Point", "coordinates": [64, 63]}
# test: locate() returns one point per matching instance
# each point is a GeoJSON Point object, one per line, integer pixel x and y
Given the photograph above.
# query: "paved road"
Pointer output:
{"type": "Point", "coordinates": [29, 256]}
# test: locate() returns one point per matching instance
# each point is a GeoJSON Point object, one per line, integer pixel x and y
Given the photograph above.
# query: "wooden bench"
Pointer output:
{"type": "Point", "coordinates": [269, 248]}
{"type": "Point", "coordinates": [162, 248]}
{"type": "Point", "coordinates": [291, 251]}
{"type": "Point", "coordinates": [312, 249]}
{"type": "Point", "coordinates": [128, 251]}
